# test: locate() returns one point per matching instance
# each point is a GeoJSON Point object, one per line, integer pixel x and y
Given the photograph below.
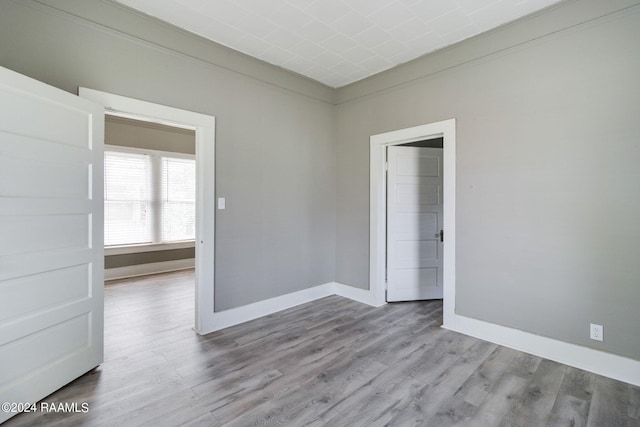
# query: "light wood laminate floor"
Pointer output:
{"type": "Point", "coordinates": [330, 362]}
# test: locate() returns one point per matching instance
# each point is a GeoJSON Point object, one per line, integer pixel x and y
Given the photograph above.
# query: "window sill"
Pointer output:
{"type": "Point", "coordinates": [149, 247]}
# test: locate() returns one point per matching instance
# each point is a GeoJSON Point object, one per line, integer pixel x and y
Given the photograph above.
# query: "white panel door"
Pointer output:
{"type": "Point", "coordinates": [51, 238]}
{"type": "Point", "coordinates": [414, 223]}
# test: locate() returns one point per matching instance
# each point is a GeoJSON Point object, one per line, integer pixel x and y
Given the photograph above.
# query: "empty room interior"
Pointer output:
{"type": "Point", "coordinates": [320, 212]}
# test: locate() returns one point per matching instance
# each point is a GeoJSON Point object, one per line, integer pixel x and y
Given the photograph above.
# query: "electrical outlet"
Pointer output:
{"type": "Point", "coordinates": [596, 332]}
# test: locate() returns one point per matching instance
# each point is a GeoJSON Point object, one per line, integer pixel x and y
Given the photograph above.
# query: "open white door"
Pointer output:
{"type": "Point", "coordinates": [51, 238]}
{"type": "Point", "coordinates": [414, 223]}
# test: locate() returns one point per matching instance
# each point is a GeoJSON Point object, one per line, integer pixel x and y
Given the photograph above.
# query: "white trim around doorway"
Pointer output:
{"type": "Point", "coordinates": [204, 126]}
{"type": "Point", "coordinates": [377, 209]}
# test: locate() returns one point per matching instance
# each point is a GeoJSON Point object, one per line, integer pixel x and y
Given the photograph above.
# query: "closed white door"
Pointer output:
{"type": "Point", "coordinates": [51, 238]}
{"type": "Point", "coordinates": [414, 223]}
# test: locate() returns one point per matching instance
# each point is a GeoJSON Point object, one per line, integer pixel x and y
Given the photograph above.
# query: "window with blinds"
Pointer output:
{"type": "Point", "coordinates": [127, 198]}
{"type": "Point", "coordinates": [178, 199]}
{"type": "Point", "coordinates": [149, 197]}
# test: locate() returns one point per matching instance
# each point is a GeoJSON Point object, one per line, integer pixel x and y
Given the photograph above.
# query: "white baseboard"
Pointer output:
{"type": "Point", "coordinates": [357, 294]}
{"type": "Point", "coordinates": [150, 268]}
{"type": "Point", "coordinates": [598, 362]}
{"type": "Point", "coordinates": [234, 316]}
{"type": "Point", "coordinates": [601, 363]}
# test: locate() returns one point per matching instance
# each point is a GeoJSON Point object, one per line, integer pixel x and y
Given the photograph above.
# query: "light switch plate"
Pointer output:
{"type": "Point", "coordinates": [221, 203]}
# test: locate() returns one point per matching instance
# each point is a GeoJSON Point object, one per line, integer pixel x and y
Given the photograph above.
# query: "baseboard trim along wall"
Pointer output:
{"type": "Point", "coordinates": [601, 363]}
{"type": "Point", "coordinates": [234, 316]}
{"type": "Point", "coordinates": [598, 362]}
{"type": "Point", "coordinates": [149, 268]}
{"type": "Point", "coordinates": [356, 294]}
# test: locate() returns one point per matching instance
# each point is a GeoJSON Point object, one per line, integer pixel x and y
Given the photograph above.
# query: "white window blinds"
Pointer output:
{"type": "Point", "coordinates": [127, 198]}
{"type": "Point", "coordinates": [178, 199]}
{"type": "Point", "coordinates": [149, 197]}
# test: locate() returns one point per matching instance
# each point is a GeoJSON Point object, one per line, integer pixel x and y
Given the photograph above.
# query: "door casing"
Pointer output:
{"type": "Point", "coordinates": [445, 129]}
{"type": "Point", "coordinates": [204, 126]}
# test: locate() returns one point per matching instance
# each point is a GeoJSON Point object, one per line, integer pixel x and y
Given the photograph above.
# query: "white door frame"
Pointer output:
{"type": "Point", "coordinates": [204, 126]}
{"type": "Point", "coordinates": [378, 203]}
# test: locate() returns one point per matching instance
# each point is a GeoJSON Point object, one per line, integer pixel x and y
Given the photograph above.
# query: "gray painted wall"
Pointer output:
{"type": "Point", "coordinates": [547, 169]}
{"type": "Point", "coordinates": [275, 148]}
{"type": "Point", "coordinates": [127, 260]}
{"type": "Point", "coordinates": [150, 136]}
{"type": "Point", "coordinates": [547, 165]}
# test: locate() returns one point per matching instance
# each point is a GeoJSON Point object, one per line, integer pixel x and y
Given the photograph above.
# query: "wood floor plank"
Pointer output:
{"type": "Point", "coordinates": [609, 405]}
{"type": "Point", "coordinates": [306, 402]}
{"type": "Point", "coordinates": [534, 405]}
{"type": "Point", "coordinates": [634, 404]}
{"type": "Point", "coordinates": [573, 399]}
{"type": "Point", "coordinates": [232, 389]}
{"type": "Point", "coordinates": [475, 389]}
{"type": "Point", "coordinates": [331, 362]}
{"type": "Point", "coordinates": [498, 403]}
{"type": "Point", "coordinates": [396, 401]}
{"type": "Point", "coordinates": [431, 395]}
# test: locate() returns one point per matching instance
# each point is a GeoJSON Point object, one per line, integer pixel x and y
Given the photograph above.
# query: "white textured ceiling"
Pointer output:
{"type": "Point", "coordinates": [337, 42]}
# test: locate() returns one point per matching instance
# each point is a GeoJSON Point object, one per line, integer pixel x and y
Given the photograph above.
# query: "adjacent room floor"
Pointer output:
{"type": "Point", "coordinates": [330, 362]}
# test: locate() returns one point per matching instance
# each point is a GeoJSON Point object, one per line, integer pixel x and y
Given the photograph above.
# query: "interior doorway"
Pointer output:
{"type": "Point", "coordinates": [204, 128]}
{"type": "Point", "coordinates": [378, 206]}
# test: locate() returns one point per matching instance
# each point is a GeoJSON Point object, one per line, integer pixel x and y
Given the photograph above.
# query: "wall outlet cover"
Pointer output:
{"type": "Point", "coordinates": [596, 332]}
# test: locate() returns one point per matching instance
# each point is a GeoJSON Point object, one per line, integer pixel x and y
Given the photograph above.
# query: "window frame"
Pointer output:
{"type": "Point", "coordinates": [156, 202]}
